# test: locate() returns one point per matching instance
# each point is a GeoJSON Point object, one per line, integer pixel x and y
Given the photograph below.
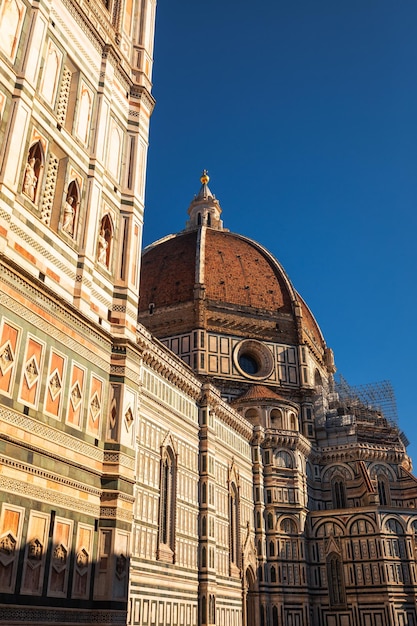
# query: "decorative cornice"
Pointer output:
{"type": "Point", "coordinates": [34, 492]}
{"type": "Point", "coordinates": [49, 476]}
{"type": "Point", "coordinates": [211, 398]}
{"type": "Point", "coordinates": [159, 358]}
{"type": "Point", "coordinates": [358, 451]}
{"type": "Point", "coordinates": [140, 93]}
{"type": "Point", "coordinates": [47, 433]}
{"type": "Point", "coordinates": [287, 439]}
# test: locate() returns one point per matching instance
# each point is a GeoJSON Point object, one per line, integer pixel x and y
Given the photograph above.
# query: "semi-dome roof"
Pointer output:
{"type": "Point", "coordinates": [209, 278]}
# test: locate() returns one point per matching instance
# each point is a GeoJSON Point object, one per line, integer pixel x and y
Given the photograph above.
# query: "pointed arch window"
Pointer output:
{"type": "Point", "coordinates": [212, 609]}
{"type": "Point", "coordinates": [335, 579]}
{"type": "Point", "coordinates": [167, 505]}
{"type": "Point", "coordinates": [204, 557]}
{"type": "Point", "coordinates": [259, 547]}
{"type": "Point", "coordinates": [383, 490]}
{"type": "Point", "coordinates": [11, 20]}
{"type": "Point", "coordinates": [339, 494]}
{"type": "Point", "coordinates": [33, 172]}
{"type": "Point", "coordinates": [204, 526]}
{"type": "Point", "coordinates": [203, 609]}
{"type": "Point", "coordinates": [234, 524]}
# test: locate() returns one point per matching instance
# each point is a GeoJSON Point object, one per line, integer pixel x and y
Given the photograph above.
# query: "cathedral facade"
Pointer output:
{"type": "Point", "coordinates": [174, 450]}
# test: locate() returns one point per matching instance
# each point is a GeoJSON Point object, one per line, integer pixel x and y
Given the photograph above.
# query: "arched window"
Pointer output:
{"type": "Point", "coordinates": [317, 379]}
{"type": "Point", "coordinates": [204, 526]}
{"type": "Point", "coordinates": [276, 418]}
{"type": "Point", "coordinates": [11, 19]}
{"type": "Point", "coordinates": [339, 494]}
{"type": "Point", "coordinates": [383, 490]}
{"type": "Point", "coordinates": [288, 526]}
{"type": "Point", "coordinates": [271, 548]}
{"type": "Point", "coordinates": [293, 422]}
{"type": "Point", "coordinates": [212, 609]}
{"type": "Point", "coordinates": [33, 172]}
{"type": "Point", "coordinates": [273, 574]}
{"type": "Point", "coordinates": [270, 519]}
{"type": "Point", "coordinates": [274, 616]}
{"type": "Point", "coordinates": [203, 609]}
{"type": "Point", "coordinates": [84, 113]}
{"type": "Point", "coordinates": [251, 414]}
{"type": "Point", "coordinates": [251, 597]}
{"type": "Point", "coordinates": [198, 219]}
{"type": "Point", "coordinates": [167, 504]}
{"type": "Point", "coordinates": [283, 459]}
{"type": "Point", "coordinates": [208, 219]}
{"type": "Point", "coordinates": [234, 524]}
{"type": "Point", "coordinates": [105, 239]}
{"type": "Point", "coordinates": [203, 556]}
{"type": "Point", "coordinates": [335, 579]}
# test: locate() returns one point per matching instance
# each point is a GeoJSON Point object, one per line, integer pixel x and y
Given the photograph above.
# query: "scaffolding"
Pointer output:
{"type": "Point", "coordinates": [368, 402]}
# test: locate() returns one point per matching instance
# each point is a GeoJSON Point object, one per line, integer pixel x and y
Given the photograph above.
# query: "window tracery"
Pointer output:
{"type": "Point", "coordinates": [167, 504]}
{"type": "Point", "coordinates": [335, 579]}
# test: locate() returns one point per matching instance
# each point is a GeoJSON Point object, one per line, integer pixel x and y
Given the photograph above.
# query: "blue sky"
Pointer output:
{"type": "Point", "coordinates": [305, 114]}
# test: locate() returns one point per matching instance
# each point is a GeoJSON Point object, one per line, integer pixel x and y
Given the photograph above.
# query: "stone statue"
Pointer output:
{"type": "Point", "coordinates": [30, 179]}
{"type": "Point", "coordinates": [69, 215]}
{"type": "Point", "coordinates": [102, 248]}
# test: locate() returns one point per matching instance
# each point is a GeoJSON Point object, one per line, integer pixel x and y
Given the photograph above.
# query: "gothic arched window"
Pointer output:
{"type": "Point", "coordinates": [167, 503]}
{"type": "Point", "coordinates": [335, 579]}
{"type": "Point", "coordinates": [203, 608]}
{"type": "Point", "coordinates": [204, 557]}
{"type": "Point", "coordinates": [339, 494]}
{"type": "Point", "coordinates": [234, 524]}
{"type": "Point", "coordinates": [212, 609]}
{"type": "Point", "coordinates": [383, 490]}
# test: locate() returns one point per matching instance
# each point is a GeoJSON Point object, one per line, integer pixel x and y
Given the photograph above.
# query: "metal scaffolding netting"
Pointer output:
{"type": "Point", "coordinates": [368, 401]}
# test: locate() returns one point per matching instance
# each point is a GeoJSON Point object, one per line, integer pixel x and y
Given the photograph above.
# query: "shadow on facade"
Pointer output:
{"type": "Point", "coordinates": [54, 584]}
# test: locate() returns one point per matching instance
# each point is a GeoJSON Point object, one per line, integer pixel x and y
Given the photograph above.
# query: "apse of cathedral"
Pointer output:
{"type": "Point", "coordinates": [174, 447]}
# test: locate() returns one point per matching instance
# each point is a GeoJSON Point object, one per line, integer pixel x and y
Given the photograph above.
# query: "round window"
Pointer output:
{"type": "Point", "coordinates": [248, 364]}
{"type": "Point", "coordinates": [253, 360]}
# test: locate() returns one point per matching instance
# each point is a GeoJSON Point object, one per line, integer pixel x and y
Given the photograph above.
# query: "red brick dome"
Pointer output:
{"type": "Point", "coordinates": [209, 278]}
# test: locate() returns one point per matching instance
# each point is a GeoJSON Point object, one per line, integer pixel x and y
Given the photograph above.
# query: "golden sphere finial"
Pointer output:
{"type": "Point", "coordinates": [204, 178]}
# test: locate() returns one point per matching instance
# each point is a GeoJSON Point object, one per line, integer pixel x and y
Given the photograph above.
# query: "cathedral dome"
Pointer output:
{"type": "Point", "coordinates": [206, 277]}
